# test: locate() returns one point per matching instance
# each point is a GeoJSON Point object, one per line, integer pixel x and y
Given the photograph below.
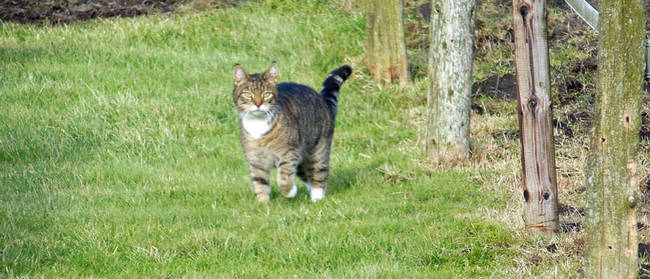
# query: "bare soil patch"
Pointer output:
{"type": "Point", "coordinates": [68, 11]}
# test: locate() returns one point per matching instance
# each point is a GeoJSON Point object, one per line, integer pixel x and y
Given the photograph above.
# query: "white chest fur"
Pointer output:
{"type": "Point", "coordinates": [256, 125]}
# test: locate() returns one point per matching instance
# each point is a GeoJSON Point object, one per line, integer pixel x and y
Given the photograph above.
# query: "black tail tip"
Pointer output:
{"type": "Point", "coordinates": [344, 71]}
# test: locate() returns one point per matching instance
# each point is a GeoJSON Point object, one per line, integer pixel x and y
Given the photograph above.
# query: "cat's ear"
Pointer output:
{"type": "Point", "coordinates": [272, 73]}
{"type": "Point", "coordinates": [239, 75]}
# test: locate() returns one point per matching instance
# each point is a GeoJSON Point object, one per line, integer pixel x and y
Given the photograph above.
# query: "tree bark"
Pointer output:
{"type": "Point", "coordinates": [536, 132]}
{"type": "Point", "coordinates": [450, 85]}
{"type": "Point", "coordinates": [385, 45]}
{"type": "Point", "coordinates": [610, 224]}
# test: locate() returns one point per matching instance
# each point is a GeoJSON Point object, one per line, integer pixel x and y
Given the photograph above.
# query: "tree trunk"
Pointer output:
{"type": "Point", "coordinates": [536, 132]}
{"type": "Point", "coordinates": [611, 235]}
{"type": "Point", "coordinates": [385, 45]}
{"type": "Point", "coordinates": [450, 75]}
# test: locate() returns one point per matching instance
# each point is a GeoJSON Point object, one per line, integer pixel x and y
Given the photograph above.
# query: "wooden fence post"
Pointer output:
{"type": "Point", "coordinates": [536, 132]}
{"type": "Point", "coordinates": [611, 243]}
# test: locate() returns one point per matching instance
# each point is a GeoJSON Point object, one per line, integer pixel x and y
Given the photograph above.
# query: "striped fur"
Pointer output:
{"type": "Point", "coordinates": [298, 136]}
{"type": "Point", "coordinates": [332, 85]}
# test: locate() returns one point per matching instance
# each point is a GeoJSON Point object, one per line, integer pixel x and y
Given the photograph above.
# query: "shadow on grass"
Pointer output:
{"type": "Point", "coordinates": [342, 180]}
{"type": "Point", "coordinates": [20, 55]}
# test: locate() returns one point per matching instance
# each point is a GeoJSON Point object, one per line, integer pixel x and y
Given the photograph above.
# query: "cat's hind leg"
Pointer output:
{"type": "Point", "coordinates": [317, 175]}
{"type": "Point", "coordinates": [318, 170]}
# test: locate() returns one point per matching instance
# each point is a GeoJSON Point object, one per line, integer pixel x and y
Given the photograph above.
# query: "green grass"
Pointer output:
{"type": "Point", "coordinates": [119, 157]}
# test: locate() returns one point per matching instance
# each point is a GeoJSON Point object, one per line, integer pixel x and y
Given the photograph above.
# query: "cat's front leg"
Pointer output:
{"type": "Point", "coordinates": [260, 182]}
{"type": "Point", "coordinates": [287, 173]}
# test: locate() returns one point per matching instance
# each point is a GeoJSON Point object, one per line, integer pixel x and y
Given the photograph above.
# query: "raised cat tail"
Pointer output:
{"type": "Point", "coordinates": [332, 84]}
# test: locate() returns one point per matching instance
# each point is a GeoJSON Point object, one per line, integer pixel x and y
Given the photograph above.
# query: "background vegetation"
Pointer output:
{"type": "Point", "coordinates": [119, 153]}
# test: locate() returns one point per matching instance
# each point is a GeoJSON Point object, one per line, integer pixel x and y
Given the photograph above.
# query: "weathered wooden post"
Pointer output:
{"type": "Point", "coordinates": [536, 132]}
{"type": "Point", "coordinates": [450, 80]}
{"type": "Point", "coordinates": [385, 43]}
{"type": "Point", "coordinates": [610, 223]}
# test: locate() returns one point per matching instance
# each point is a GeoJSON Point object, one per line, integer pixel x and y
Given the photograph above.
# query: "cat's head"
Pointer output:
{"type": "Point", "coordinates": [255, 93]}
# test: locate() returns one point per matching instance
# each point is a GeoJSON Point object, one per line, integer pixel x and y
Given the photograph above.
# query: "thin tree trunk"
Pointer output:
{"type": "Point", "coordinates": [611, 233]}
{"type": "Point", "coordinates": [450, 74]}
{"type": "Point", "coordinates": [536, 132]}
{"type": "Point", "coordinates": [385, 45]}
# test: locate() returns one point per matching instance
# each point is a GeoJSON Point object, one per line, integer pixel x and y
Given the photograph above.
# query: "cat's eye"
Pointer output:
{"type": "Point", "coordinates": [247, 95]}
{"type": "Point", "coordinates": [267, 95]}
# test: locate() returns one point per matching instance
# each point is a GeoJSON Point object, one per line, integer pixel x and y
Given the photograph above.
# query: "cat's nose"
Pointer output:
{"type": "Point", "coordinates": [258, 103]}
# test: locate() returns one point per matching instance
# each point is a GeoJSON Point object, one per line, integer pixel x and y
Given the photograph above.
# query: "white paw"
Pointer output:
{"type": "Point", "coordinates": [308, 186]}
{"type": "Point", "coordinates": [317, 194]}
{"type": "Point", "coordinates": [292, 193]}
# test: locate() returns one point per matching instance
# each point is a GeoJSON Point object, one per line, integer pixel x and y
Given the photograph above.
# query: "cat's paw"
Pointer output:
{"type": "Point", "coordinates": [317, 194]}
{"type": "Point", "coordinates": [264, 198]}
{"type": "Point", "coordinates": [291, 193]}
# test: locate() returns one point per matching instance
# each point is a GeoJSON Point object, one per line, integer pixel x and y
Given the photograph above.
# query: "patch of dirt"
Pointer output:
{"type": "Point", "coordinates": [498, 87]}
{"type": "Point", "coordinates": [645, 126]}
{"type": "Point", "coordinates": [570, 90]}
{"type": "Point", "coordinates": [570, 218]}
{"type": "Point", "coordinates": [68, 11]}
{"type": "Point", "coordinates": [558, 3]}
{"type": "Point", "coordinates": [424, 11]}
{"type": "Point", "coordinates": [563, 127]}
{"type": "Point", "coordinates": [589, 64]}
{"type": "Point", "coordinates": [568, 209]}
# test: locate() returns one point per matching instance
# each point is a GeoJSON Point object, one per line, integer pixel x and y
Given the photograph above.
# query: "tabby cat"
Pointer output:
{"type": "Point", "coordinates": [288, 126]}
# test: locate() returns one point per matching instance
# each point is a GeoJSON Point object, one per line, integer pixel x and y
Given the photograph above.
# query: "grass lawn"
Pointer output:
{"type": "Point", "coordinates": [120, 157]}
